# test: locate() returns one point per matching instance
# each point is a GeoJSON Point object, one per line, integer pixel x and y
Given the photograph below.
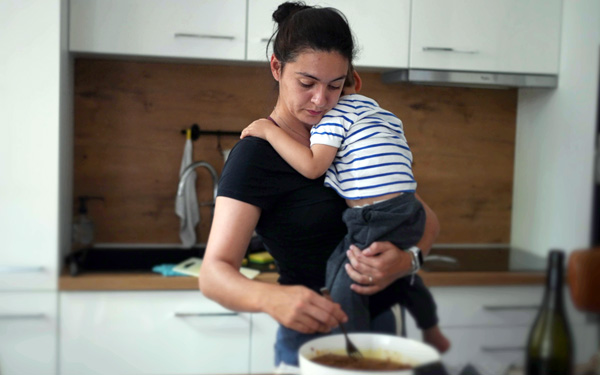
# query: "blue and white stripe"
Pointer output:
{"type": "Point", "coordinates": [373, 156]}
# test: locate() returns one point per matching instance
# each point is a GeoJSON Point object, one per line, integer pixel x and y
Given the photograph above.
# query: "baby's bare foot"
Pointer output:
{"type": "Point", "coordinates": [434, 337]}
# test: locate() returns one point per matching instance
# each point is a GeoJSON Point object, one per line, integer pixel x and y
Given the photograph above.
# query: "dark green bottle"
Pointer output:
{"type": "Point", "coordinates": [550, 348]}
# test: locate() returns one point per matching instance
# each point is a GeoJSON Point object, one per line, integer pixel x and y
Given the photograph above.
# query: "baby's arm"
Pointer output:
{"type": "Point", "coordinates": [309, 162]}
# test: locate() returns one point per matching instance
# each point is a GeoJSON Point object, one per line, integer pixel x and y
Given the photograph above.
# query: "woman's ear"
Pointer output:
{"type": "Point", "coordinates": [357, 81]}
{"type": "Point", "coordinates": [275, 67]}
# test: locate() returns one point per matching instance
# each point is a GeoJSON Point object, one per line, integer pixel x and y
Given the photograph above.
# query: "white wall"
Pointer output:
{"type": "Point", "coordinates": [555, 141]}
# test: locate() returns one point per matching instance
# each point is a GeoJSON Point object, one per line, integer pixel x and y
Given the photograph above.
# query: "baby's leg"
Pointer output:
{"type": "Point", "coordinates": [419, 302]}
{"type": "Point", "coordinates": [355, 305]}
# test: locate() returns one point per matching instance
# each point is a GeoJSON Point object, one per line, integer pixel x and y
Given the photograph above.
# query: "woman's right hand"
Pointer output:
{"type": "Point", "coordinates": [304, 310]}
{"type": "Point", "coordinates": [258, 128]}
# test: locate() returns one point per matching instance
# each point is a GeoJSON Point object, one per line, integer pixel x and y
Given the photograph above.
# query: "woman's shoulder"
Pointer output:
{"type": "Point", "coordinates": [250, 148]}
{"type": "Point", "coordinates": [254, 156]}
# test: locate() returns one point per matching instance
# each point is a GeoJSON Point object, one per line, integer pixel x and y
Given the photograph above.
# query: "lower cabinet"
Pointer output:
{"type": "Point", "coordinates": [262, 346]}
{"type": "Point", "coordinates": [28, 329]}
{"type": "Point", "coordinates": [489, 326]}
{"type": "Point", "coordinates": [153, 332]}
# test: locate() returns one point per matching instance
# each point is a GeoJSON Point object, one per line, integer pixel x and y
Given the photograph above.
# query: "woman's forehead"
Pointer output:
{"type": "Point", "coordinates": [319, 65]}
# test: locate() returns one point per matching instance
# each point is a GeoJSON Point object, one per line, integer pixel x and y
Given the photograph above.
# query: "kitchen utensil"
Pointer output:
{"type": "Point", "coordinates": [351, 349]}
{"type": "Point", "coordinates": [422, 357]}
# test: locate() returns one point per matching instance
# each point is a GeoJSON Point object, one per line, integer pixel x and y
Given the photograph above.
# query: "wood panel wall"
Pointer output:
{"type": "Point", "coordinates": [128, 146]}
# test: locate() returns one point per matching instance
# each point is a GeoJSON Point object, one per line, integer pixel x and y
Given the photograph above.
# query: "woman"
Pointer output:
{"type": "Point", "coordinates": [299, 220]}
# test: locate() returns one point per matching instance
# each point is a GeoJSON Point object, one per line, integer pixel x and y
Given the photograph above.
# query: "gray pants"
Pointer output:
{"type": "Point", "coordinates": [400, 220]}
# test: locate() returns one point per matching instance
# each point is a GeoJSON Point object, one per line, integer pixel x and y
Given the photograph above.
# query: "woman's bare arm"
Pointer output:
{"type": "Point", "coordinates": [310, 162]}
{"type": "Point", "coordinates": [296, 307]}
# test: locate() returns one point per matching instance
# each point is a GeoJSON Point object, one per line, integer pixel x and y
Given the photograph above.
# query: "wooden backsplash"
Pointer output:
{"type": "Point", "coordinates": [128, 146]}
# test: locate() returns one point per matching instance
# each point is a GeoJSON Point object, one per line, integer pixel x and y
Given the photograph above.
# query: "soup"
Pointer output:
{"type": "Point", "coordinates": [343, 361]}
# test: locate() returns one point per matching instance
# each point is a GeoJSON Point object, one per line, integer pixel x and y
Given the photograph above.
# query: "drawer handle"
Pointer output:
{"type": "Point", "coordinates": [21, 316]}
{"type": "Point", "coordinates": [204, 36]}
{"type": "Point", "coordinates": [265, 40]}
{"type": "Point", "coordinates": [510, 307]}
{"type": "Point", "coordinates": [204, 315]}
{"type": "Point", "coordinates": [495, 349]}
{"type": "Point", "coordinates": [21, 269]}
{"type": "Point", "coordinates": [448, 49]}
{"type": "Point", "coordinates": [440, 258]}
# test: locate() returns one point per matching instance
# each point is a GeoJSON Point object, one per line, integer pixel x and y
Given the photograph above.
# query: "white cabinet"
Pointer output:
{"type": "Point", "coordinates": [150, 333]}
{"type": "Point", "coordinates": [512, 36]}
{"type": "Point", "coordinates": [29, 146]}
{"type": "Point", "coordinates": [262, 345]}
{"type": "Point", "coordinates": [489, 326]}
{"type": "Point", "coordinates": [204, 29]}
{"type": "Point", "coordinates": [381, 29]}
{"type": "Point", "coordinates": [28, 328]}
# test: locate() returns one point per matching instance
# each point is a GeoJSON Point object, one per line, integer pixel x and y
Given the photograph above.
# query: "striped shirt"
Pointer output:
{"type": "Point", "coordinates": [373, 157]}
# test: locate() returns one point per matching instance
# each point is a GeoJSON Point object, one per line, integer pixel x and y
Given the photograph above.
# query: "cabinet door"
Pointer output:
{"type": "Point", "coordinates": [512, 36]}
{"type": "Point", "coordinates": [207, 29]}
{"type": "Point", "coordinates": [150, 333]}
{"type": "Point", "coordinates": [29, 145]}
{"type": "Point", "coordinates": [489, 326]}
{"type": "Point", "coordinates": [380, 29]}
{"type": "Point", "coordinates": [28, 328]}
{"type": "Point", "coordinates": [262, 346]}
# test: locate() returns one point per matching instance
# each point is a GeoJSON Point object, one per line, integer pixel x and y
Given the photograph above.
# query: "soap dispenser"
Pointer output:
{"type": "Point", "coordinates": [83, 227]}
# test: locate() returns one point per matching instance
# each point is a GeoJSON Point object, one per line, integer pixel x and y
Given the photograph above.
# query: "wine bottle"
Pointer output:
{"type": "Point", "coordinates": [549, 347]}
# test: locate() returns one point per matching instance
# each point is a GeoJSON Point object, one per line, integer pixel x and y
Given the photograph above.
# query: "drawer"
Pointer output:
{"type": "Point", "coordinates": [487, 306]}
{"type": "Point", "coordinates": [492, 350]}
{"type": "Point", "coordinates": [151, 333]}
{"type": "Point", "coordinates": [28, 329]}
{"type": "Point", "coordinates": [495, 306]}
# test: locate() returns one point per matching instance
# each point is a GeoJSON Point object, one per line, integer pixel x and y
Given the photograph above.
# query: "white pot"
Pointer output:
{"type": "Point", "coordinates": [371, 345]}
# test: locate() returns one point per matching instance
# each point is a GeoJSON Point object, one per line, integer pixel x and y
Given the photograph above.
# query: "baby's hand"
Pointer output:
{"type": "Point", "coordinates": [258, 128]}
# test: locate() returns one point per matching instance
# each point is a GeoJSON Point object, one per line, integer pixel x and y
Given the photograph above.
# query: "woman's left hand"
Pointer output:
{"type": "Point", "coordinates": [377, 266]}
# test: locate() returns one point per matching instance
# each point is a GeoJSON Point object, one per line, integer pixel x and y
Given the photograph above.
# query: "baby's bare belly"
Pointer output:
{"type": "Point", "coordinates": [368, 201]}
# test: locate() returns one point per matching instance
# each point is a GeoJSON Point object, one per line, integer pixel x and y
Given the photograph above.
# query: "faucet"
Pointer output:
{"type": "Point", "coordinates": [189, 169]}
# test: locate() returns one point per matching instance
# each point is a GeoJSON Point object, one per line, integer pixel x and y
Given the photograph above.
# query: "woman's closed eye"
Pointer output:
{"type": "Point", "coordinates": [308, 85]}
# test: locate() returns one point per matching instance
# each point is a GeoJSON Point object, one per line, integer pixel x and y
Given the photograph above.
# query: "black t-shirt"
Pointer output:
{"type": "Point", "coordinates": [301, 220]}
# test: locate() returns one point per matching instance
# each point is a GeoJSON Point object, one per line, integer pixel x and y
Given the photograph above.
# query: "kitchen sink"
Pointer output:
{"type": "Point", "coordinates": [136, 258]}
{"type": "Point", "coordinates": [127, 259]}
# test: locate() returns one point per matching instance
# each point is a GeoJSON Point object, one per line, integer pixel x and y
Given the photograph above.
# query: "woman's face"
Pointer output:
{"type": "Point", "coordinates": [309, 86]}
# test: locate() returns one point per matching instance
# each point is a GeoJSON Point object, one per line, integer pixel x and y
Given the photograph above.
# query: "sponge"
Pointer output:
{"type": "Point", "coordinates": [262, 257]}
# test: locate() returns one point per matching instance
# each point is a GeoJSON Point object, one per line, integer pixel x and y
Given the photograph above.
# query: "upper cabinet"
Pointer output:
{"type": "Point", "coordinates": [381, 29]}
{"type": "Point", "coordinates": [206, 29]}
{"type": "Point", "coordinates": [509, 43]}
{"type": "Point", "coordinates": [30, 152]}
{"type": "Point", "coordinates": [507, 36]}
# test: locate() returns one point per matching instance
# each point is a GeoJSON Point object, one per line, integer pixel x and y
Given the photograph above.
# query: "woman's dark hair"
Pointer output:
{"type": "Point", "coordinates": [302, 27]}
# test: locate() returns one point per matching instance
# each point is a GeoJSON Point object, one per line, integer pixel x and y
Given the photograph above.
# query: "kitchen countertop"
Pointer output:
{"type": "Point", "coordinates": [445, 266]}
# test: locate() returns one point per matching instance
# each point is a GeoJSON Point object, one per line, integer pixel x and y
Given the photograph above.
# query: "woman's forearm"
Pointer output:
{"type": "Point", "coordinates": [309, 162]}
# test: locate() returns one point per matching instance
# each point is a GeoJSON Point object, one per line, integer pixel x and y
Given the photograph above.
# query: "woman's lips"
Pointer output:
{"type": "Point", "coordinates": [314, 113]}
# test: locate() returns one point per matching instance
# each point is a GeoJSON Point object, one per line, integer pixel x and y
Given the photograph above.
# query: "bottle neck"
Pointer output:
{"type": "Point", "coordinates": [553, 295]}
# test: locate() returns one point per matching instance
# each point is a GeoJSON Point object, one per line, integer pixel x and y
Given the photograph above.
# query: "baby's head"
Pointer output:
{"type": "Point", "coordinates": [353, 83]}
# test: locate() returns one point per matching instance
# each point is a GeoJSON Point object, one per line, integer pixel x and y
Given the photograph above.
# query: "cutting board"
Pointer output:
{"type": "Point", "coordinates": [191, 267]}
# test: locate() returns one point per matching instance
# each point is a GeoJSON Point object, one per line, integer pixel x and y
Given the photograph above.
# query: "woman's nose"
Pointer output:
{"type": "Point", "coordinates": [319, 97]}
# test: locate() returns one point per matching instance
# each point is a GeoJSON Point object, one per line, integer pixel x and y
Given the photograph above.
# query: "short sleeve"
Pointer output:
{"type": "Point", "coordinates": [254, 173]}
{"type": "Point", "coordinates": [331, 130]}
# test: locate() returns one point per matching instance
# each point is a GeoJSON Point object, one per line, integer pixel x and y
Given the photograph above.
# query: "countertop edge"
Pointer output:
{"type": "Point", "coordinates": [153, 281]}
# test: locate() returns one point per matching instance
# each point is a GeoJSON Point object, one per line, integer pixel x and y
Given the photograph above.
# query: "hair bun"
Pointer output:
{"type": "Point", "coordinates": [285, 10]}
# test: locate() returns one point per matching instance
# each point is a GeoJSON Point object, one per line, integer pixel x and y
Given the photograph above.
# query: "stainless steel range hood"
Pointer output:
{"type": "Point", "coordinates": [470, 79]}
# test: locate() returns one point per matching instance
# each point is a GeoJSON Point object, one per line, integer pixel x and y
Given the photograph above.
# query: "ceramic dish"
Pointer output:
{"type": "Point", "coordinates": [372, 345]}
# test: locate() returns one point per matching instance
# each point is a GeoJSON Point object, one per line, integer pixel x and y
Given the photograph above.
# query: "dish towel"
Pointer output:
{"type": "Point", "coordinates": [186, 205]}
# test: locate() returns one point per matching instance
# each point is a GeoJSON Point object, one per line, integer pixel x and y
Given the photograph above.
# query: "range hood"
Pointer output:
{"type": "Point", "coordinates": [470, 79]}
